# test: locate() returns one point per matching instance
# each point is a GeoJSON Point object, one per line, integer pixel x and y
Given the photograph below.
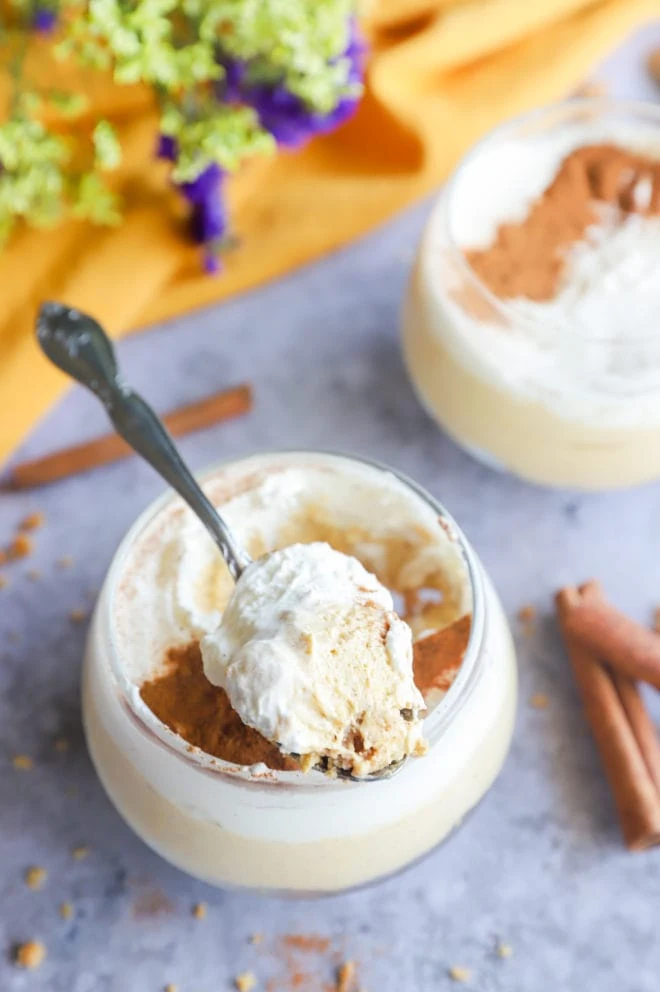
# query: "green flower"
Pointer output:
{"type": "Point", "coordinates": [107, 150]}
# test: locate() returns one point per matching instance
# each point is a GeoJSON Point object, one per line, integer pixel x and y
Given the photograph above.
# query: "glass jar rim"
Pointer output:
{"type": "Point", "coordinates": [147, 722]}
{"type": "Point", "coordinates": [570, 107]}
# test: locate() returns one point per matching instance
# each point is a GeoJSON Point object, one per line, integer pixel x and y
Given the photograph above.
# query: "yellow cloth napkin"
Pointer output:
{"type": "Point", "coordinates": [441, 73]}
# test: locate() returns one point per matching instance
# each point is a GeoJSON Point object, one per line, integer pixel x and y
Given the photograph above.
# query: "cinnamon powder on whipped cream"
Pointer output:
{"type": "Point", "coordinates": [185, 701]}
{"type": "Point", "coordinates": [528, 258]}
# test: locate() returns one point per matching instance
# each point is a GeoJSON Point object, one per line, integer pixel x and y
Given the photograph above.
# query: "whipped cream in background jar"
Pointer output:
{"type": "Point", "coordinates": [280, 830]}
{"type": "Point", "coordinates": [561, 387]}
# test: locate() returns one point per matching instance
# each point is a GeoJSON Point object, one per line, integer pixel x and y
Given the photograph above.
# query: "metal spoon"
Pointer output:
{"type": "Point", "coordinates": [78, 345]}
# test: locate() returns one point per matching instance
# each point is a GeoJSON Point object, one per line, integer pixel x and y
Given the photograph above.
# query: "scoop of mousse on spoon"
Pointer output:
{"type": "Point", "coordinates": [309, 649]}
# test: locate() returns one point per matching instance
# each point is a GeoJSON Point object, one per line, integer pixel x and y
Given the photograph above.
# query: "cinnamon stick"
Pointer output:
{"type": "Point", "coordinates": [109, 448]}
{"type": "Point", "coordinates": [641, 724]}
{"type": "Point", "coordinates": [635, 794]}
{"type": "Point", "coordinates": [628, 646]}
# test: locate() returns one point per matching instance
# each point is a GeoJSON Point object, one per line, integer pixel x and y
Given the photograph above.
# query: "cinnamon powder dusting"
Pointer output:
{"type": "Point", "coordinates": [185, 701]}
{"type": "Point", "coordinates": [438, 656]}
{"type": "Point", "coordinates": [528, 259]}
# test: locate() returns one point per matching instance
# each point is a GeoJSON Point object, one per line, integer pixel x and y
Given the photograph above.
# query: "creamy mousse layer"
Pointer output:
{"type": "Point", "coordinates": [175, 588]}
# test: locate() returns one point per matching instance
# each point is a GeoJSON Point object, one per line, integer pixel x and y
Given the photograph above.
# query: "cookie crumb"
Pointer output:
{"type": "Point", "coordinates": [61, 744]}
{"type": "Point", "coordinates": [171, 988]}
{"type": "Point", "coordinates": [199, 911]}
{"type": "Point", "coordinates": [80, 853]}
{"type": "Point", "coordinates": [22, 762]}
{"type": "Point", "coordinates": [33, 574]}
{"type": "Point", "coordinates": [77, 615]}
{"type": "Point", "coordinates": [20, 547]}
{"type": "Point", "coordinates": [590, 89]}
{"type": "Point", "coordinates": [4, 581]}
{"type": "Point", "coordinates": [245, 982]}
{"type": "Point", "coordinates": [66, 561]}
{"type": "Point", "coordinates": [256, 938]}
{"type": "Point", "coordinates": [539, 701]}
{"type": "Point", "coordinates": [307, 762]}
{"type": "Point", "coordinates": [35, 877]}
{"type": "Point", "coordinates": [66, 910]}
{"type": "Point", "coordinates": [459, 974]}
{"type": "Point", "coordinates": [504, 950]}
{"type": "Point", "coordinates": [346, 976]}
{"type": "Point", "coordinates": [527, 613]}
{"type": "Point", "coordinates": [653, 65]}
{"type": "Point", "coordinates": [33, 521]}
{"type": "Point", "coordinates": [31, 954]}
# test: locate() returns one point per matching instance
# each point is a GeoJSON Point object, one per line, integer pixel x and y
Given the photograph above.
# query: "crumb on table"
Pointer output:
{"type": "Point", "coordinates": [80, 853]}
{"type": "Point", "coordinates": [20, 547]}
{"type": "Point", "coordinates": [33, 521]}
{"type": "Point", "coordinates": [539, 701]}
{"type": "Point", "coordinates": [199, 910]}
{"type": "Point", "coordinates": [589, 89]}
{"type": "Point", "coordinates": [504, 950]}
{"type": "Point", "coordinates": [35, 877]}
{"type": "Point", "coordinates": [458, 973]}
{"type": "Point", "coordinates": [527, 613]}
{"type": "Point", "coordinates": [245, 982]}
{"type": "Point", "coordinates": [22, 762]}
{"type": "Point", "coordinates": [653, 65]}
{"type": "Point", "coordinates": [346, 976]}
{"type": "Point", "coordinates": [66, 910]}
{"type": "Point", "coordinates": [30, 954]}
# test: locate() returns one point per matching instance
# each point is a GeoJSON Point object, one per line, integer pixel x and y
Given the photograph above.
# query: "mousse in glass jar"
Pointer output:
{"type": "Point", "coordinates": [219, 801]}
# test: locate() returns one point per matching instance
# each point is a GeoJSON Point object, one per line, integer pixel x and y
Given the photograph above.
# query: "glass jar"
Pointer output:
{"type": "Point", "coordinates": [559, 396]}
{"type": "Point", "coordinates": [285, 832]}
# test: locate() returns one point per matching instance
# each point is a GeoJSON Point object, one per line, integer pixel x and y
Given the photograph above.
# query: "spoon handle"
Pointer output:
{"type": "Point", "coordinates": [137, 423]}
{"type": "Point", "coordinates": [78, 345]}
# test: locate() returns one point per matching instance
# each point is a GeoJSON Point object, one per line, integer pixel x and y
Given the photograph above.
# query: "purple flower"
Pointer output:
{"type": "Point", "coordinates": [208, 216]}
{"type": "Point", "coordinates": [286, 116]}
{"type": "Point", "coordinates": [44, 20]}
{"type": "Point", "coordinates": [207, 185]}
{"type": "Point", "coordinates": [230, 86]}
{"type": "Point", "coordinates": [209, 220]}
{"type": "Point", "coordinates": [212, 263]}
{"type": "Point", "coordinates": [167, 147]}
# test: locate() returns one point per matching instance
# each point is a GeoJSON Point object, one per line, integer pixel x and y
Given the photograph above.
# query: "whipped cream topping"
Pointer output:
{"type": "Point", "coordinates": [312, 654]}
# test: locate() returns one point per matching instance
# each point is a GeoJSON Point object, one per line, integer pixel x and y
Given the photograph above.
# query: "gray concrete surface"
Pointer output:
{"type": "Point", "coordinates": [540, 864]}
